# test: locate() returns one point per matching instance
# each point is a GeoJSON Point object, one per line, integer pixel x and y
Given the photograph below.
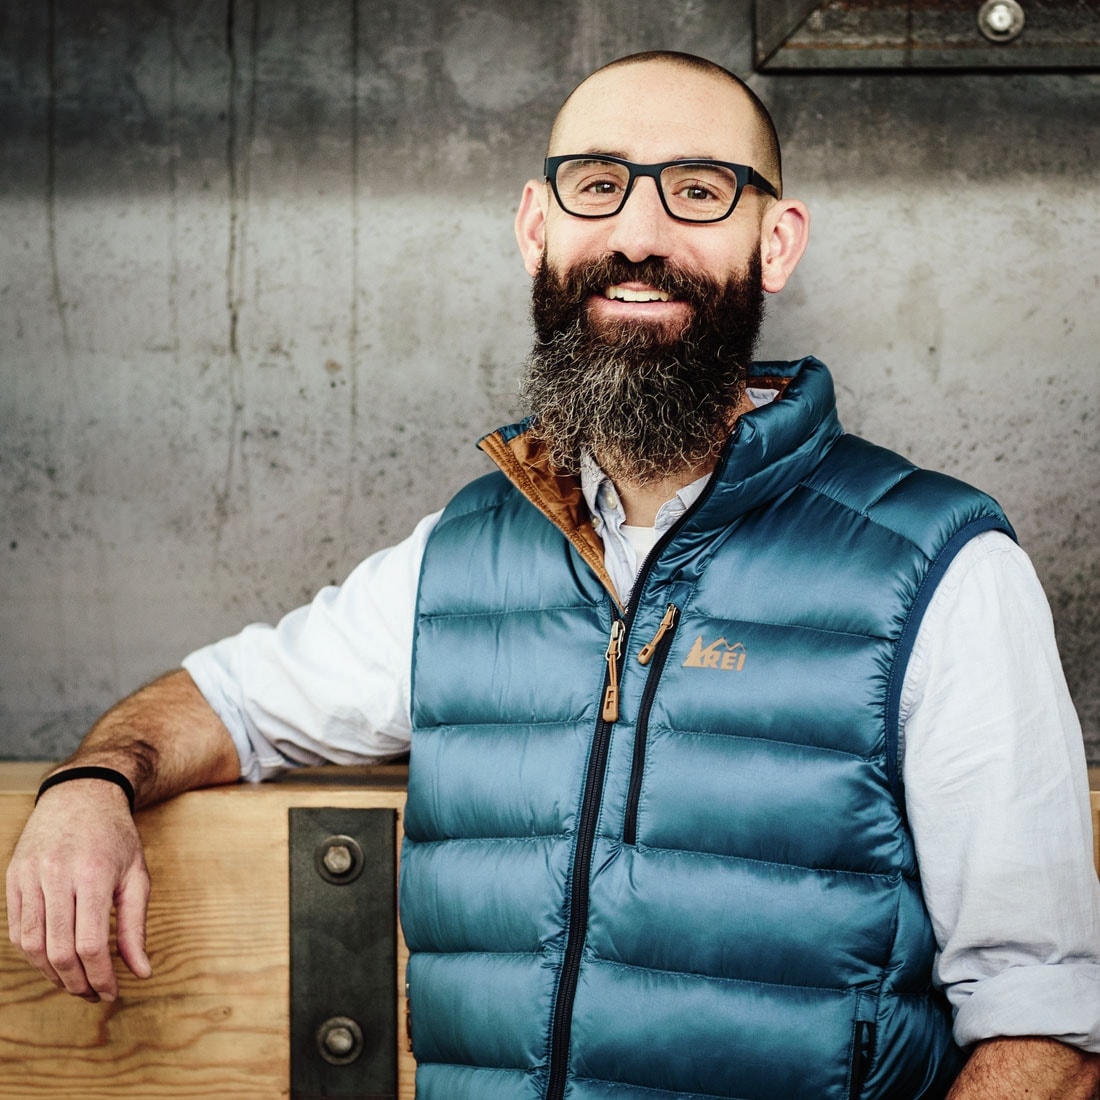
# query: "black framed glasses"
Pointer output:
{"type": "Point", "coordinates": [597, 186]}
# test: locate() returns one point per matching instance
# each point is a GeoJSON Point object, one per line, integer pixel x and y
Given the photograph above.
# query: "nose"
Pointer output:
{"type": "Point", "coordinates": [642, 227]}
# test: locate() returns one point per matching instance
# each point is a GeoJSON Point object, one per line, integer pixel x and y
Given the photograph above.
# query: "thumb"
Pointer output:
{"type": "Point", "coordinates": [131, 906]}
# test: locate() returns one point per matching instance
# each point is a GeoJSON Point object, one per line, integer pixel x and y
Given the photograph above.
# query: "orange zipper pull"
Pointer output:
{"type": "Point", "coordinates": [645, 654]}
{"type": "Point", "coordinates": [610, 711]}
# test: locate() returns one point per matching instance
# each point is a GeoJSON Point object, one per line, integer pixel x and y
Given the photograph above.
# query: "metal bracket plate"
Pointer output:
{"type": "Point", "coordinates": [822, 35]}
{"type": "Point", "coordinates": [343, 954]}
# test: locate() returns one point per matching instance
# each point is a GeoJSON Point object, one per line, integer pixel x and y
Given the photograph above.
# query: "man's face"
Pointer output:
{"type": "Point", "coordinates": [649, 113]}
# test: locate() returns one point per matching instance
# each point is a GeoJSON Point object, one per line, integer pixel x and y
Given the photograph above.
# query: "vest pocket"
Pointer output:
{"type": "Point", "coordinates": [863, 1053]}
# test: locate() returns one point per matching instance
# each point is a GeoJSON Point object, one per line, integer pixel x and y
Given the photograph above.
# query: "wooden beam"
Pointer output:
{"type": "Point", "coordinates": [213, 1021]}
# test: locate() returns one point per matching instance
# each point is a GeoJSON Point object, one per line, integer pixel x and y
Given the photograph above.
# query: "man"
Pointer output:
{"type": "Point", "coordinates": [736, 741]}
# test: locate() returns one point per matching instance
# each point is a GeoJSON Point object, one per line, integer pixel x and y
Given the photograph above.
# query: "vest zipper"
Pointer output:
{"type": "Point", "coordinates": [582, 864]}
{"type": "Point", "coordinates": [590, 809]}
{"type": "Point", "coordinates": [610, 710]}
{"type": "Point", "coordinates": [655, 651]}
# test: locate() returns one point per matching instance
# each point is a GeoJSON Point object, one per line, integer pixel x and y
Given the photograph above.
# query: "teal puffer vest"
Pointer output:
{"type": "Point", "coordinates": [646, 861]}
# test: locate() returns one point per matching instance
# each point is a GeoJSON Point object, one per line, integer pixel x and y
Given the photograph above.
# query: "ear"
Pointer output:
{"type": "Point", "coordinates": [784, 234]}
{"type": "Point", "coordinates": [531, 224]}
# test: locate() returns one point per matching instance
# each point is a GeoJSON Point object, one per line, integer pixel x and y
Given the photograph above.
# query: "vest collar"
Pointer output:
{"type": "Point", "coordinates": [770, 451]}
{"type": "Point", "coordinates": [776, 446]}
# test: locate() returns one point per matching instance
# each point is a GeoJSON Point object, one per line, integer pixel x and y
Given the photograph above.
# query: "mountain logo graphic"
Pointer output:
{"type": "Point", "coordinates": [719, 654]}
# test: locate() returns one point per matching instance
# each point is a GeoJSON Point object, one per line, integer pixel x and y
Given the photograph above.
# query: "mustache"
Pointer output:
{"type": "Point", "coordinates": [594, 276]}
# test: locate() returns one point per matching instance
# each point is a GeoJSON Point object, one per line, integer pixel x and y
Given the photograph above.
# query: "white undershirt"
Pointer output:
{"type": "Point", "coordinates": [994, 765]}
{"type": "Point", "coordinates": [641, 539]}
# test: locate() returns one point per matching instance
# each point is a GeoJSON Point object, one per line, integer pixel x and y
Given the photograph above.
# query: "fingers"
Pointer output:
{"type": "Point", "coordinates": [78, 945]}
{"type": "Point", "coordinates": [27, 928]}
{"type": "Point", "coordinates": [92, 970]}
{"type": "Point", "coordinates": [77, 926]}
{"type": "Point", "coordinates": [131, 907]}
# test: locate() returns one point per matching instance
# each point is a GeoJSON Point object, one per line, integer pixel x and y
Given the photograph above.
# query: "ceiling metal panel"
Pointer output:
{"type": "Point", "coordinates": [798, 35]}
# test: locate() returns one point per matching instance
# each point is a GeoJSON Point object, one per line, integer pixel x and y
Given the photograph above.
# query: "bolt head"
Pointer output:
{"type": "Point", "coordinates": [339, 1041]}
{"type": "Point", "coordinates": [1001, 20]}
{"type": "Point", "coordinates": [338, 859]}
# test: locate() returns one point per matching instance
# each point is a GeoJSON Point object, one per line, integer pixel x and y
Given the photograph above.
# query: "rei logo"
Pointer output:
{"type": "Point", "coordinates": [719, 654]}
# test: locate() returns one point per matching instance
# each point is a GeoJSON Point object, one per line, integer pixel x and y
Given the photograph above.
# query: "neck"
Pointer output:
{"type": "Point", "coordinates": [641, 503]}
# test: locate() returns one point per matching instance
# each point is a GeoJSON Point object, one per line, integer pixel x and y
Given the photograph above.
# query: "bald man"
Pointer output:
{"type": "Point", "coordinates": [726, 727]}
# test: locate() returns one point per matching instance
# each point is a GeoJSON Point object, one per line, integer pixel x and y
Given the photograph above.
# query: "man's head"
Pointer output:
{"type": "Point", "coordinates": [766, 155]}
{"type": "Point", "coordinates": [650, 314]}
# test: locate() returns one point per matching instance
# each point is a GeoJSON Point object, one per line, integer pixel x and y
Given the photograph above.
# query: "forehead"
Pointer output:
{"type": "Point", "coordinates": [655, 111]}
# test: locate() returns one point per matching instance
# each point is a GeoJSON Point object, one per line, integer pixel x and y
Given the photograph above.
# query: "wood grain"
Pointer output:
{"type": "Point", "coordinates": [213, 1021]}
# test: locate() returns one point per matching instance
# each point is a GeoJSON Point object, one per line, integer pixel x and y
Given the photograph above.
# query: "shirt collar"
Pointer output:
{"type": "Point", "coordinates": [596, 487]}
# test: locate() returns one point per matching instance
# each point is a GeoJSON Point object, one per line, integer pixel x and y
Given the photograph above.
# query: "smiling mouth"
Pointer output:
{"type": "Point", "coordinates": [627, 294]}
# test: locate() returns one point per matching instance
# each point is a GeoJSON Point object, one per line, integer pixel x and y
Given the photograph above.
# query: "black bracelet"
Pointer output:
{"type": "Point", "coordinates": [109, 774]}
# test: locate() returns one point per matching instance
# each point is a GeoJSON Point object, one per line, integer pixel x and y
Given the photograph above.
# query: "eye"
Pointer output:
{"type": "Point", "coordinates": [602, 186]}
{"type": "Point", "coordinates": [699, 192]}
{"type": "Point", "coordinates": [703, 186]}
{"type": "Point", "coordinates": [590, 185]}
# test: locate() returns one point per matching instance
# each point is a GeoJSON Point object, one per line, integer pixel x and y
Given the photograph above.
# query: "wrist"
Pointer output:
{"type": "Point", "coordinates": [109, 775]}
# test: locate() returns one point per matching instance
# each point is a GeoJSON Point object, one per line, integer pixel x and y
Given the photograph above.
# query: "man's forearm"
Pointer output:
{"type": "Point", "coordinates": [1039, 1069]}
{"type": "Point", "coordinates": [165, 739]}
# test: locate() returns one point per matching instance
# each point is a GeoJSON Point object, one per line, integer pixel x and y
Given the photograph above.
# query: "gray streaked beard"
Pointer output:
{"type": "Point", "coordinates": [644, 402]}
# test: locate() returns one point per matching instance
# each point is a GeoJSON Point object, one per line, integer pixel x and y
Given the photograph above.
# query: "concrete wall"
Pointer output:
{"type": "Point", "coordinates": [258, 293]}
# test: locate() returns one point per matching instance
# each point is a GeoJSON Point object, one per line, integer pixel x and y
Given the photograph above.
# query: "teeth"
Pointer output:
{"type": "Point", "coordinates": [623, 294]}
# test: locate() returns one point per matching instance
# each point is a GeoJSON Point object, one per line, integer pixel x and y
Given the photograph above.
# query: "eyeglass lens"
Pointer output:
{"type": "Point", "coordinates": [695, 192]}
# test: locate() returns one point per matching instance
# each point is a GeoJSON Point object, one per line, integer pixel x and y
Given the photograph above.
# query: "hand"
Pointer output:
{"type": "Point", "coordinates": [79, 855]}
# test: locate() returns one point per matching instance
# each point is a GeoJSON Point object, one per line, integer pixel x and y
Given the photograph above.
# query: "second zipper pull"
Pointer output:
{"type": "Point", "coordinates": [645, 654]}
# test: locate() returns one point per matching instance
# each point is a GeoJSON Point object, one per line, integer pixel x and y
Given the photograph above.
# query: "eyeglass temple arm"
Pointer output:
{"type": "Point", "coordinates": [757, 180]}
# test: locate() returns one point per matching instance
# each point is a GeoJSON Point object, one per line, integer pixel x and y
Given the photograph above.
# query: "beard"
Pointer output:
{"type": "Point", "coordinates": [645, 401]}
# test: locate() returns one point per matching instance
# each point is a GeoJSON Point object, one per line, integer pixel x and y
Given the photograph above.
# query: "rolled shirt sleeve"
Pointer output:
{"type": "Point", "coordinates": [330, 682]}
{"type": "Point", "coordinates": [997, 795]}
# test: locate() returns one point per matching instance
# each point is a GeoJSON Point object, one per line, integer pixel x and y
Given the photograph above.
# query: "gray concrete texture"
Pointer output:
{"type": "Point", "coordinates": [259, 294]}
